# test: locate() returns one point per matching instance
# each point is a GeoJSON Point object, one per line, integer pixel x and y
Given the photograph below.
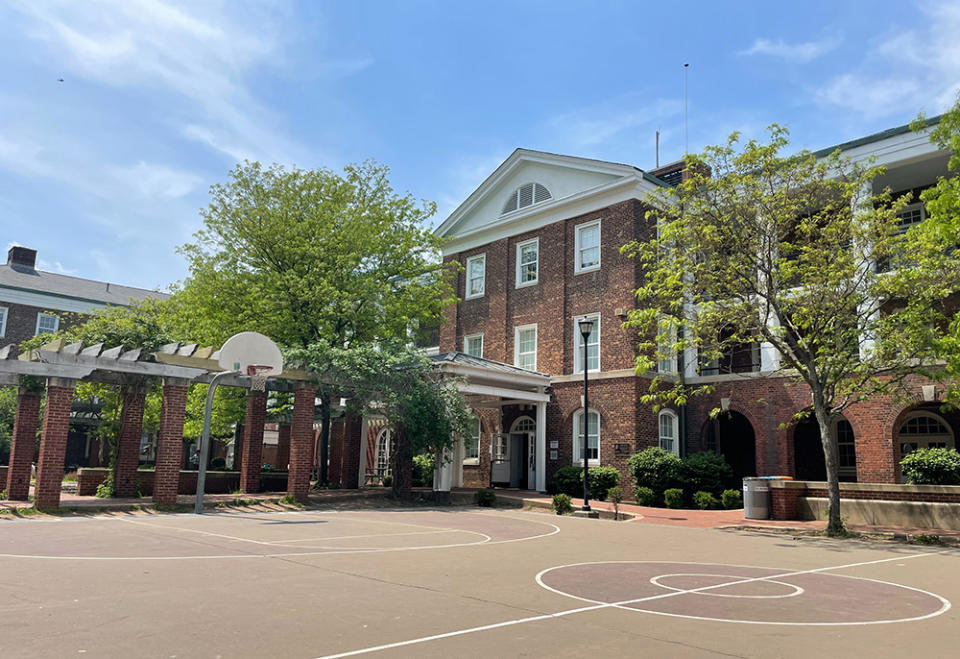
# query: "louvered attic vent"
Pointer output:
{"type": "Point", "coordinates": [526, 195]}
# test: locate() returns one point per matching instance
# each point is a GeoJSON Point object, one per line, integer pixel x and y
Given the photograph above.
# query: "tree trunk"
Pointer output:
{"type": "Point", "coordinates": [324, 452]}
{"type": "Point", "coordinates": [402, 458]}
{"type": "Point", "coordinates": [831, 459]}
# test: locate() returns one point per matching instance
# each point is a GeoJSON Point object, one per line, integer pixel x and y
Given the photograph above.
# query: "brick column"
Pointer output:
{"type": "Point", "coordinates": [128, 444]}
{"type": "Point", "coordinates": [301, 444]}
{"type": "Point", "coordinates": [53, 443]}
{"type": "Point", "coordinates": [283, 446]}
{"type": "Point", "coordinates": [351, 451]}
{"type": "Point", "coordinates": [252, 449]}
{"type": "Point", "coordinates": [166, 478]}
{"type": "Point", "coordinates": [23, 445]}
{"type": "Point", "coordinates": [335, 471]}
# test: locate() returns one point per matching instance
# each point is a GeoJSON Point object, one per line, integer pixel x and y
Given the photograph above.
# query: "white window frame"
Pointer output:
{"type": "Point", "coordinates": [466, 344]}
{"type": "Point", "coordinates": [516, 344]}
{"type": "Point", "coordinates": [4, 312]}
{"type": "Point", "coordinates": [527, 243]}
{"type": "Point", "coordinates": [474, 440]}
{"type": "Point", "coordinates": [578, 342]}
{"type": "Point", "coordinates": [56, 325]}
{"type": "Point", "coordinates": [675, 439]}
{"type": "Point", "coordinates": [468, 294]}
{"type": "Point", "coordinates": [578, 439]}
{"type": "Point", "coordinates": [577, 269]}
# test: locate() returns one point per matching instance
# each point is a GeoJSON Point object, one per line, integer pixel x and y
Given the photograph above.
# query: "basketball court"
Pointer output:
{"type": "Point", "coordinates": [458, 582]}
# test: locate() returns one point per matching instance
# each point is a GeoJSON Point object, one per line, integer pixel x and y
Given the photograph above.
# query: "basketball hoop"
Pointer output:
{"type": "Point", "coordinates": [258, 376]}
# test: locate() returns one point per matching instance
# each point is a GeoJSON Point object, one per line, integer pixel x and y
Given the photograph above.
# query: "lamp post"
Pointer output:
{"type": "Point", "coordinates": [586, 329]}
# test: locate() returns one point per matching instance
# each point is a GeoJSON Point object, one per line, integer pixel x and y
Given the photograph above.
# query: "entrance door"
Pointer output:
{"type": "Point", "coordinates": [500, 459]}
{"type": "Point", "coordinates": [519, 449]}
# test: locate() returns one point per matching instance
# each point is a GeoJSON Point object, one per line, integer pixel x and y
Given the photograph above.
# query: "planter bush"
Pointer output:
{"type": "Point", "coordinates": [705, 472]}
{"type": "Point", "coordinates": [569, 481]}
{"type": "Point", "coordinates": [656, 469]}
{"type": "Point", "coordinates": [731, 499]}
{"type": "Point", "coordinates": [485, 498]}
{"type": "Point", "coordinates": [561, 504]}
{"type": "Point", "coordinates": [705, 500]}
{"type": "Point", "coordinates": [673, 497]}
{"type": "Point", "coordinates": [645, 496]}
{"type": "Point", "coordinates": [932, 466]}
{"type": "Point", "coordinates": [423, 471]}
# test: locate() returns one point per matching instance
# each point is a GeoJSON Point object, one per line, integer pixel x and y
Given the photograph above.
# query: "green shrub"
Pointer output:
{"type": "Point", "coordinates": [218, 464]}
{"type": "Point", "coordinates": [423, 470]}
{"type": "Point", "coordinates": [569, 480]}
{"type": "Point", "coordinates": [655, 468]}
{"type": "Point", "coordinates": [108, 488]}
{"type": "Point", "coordinates": [561, 504]}
{"type": "Point", "coordinates": [705, 500]}
{"type": "Point", "coordinates": [388, 481]}
{"type": "Point", "coordinates": [645, 496]}
{"type": "Point", "coordinates": [485, 498]}
{"type": "Point", "coordinates": [673, 497]}
{"type": "Point", "coordinates": [70, 477]}
{"type": "Point", "coordinates": [932, 466]}
{"type": "Point", "coordinates": [705, 472]}
{"type": "Point", "coordinates": [731, 499]}
{"type": "Point", "coordinates": [615, 495]}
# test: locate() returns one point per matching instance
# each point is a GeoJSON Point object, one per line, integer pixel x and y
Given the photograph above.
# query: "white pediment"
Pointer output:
{"type": "Point", "coordinates": [564, 177]}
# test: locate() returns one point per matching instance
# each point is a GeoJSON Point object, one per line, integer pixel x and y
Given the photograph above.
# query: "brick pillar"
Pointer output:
{"type": "Point", "coordinates": [23, 445]}
{"type": "Point", "coordinates": [53, 443]}
{"type": "Point", "coordinates": [335, 471]}
{"type": "Point", "coordinates": [252, 449]}
{"type": "Point", "coordinates": [166, 478]}
{"type": "Point", "coordinates": [283, 446]}
{"type": "Point", "coordinates": [351, 451]}
{"type": "Point", "coordinates": [128, 444]}
{"type": "Point", "coordinates": [301, 444]}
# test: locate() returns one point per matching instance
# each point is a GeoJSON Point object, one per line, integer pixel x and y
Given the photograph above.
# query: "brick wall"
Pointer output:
{"type": "Point", "coordinates": [170, 443]}
{"type": "Point", "coordinates": [23, 445]}
{"type": "Point", "coordinates": [53, 445]}
{"type": "Point", "coordinates": [22, 321]}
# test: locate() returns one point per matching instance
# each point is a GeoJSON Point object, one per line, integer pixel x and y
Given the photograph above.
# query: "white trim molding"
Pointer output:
{"type": "Point", "coordinates": [520, 264]}
{"type": "Point", "coordinates": [578, 266]}
{"type": "Point", "coordinates": [466, 344]}
{"type": "Point", "coordinates": [516, 346]}
{"type": "Point", "coordinates": [578, 438]}
{"type": "Point", "coordinates": [468, 292]}
{"type": "Point", "coordinates": [578, 344]}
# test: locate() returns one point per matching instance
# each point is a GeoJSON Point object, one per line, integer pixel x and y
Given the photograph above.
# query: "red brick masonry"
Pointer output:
{"type": "Point", "coordinates": [785, 495]}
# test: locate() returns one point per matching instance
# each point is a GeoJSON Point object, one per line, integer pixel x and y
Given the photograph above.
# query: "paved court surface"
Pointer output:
{"type": "Point", "coordinates": [459, 582]}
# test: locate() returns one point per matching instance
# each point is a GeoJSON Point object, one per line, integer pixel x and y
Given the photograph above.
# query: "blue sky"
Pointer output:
{"type": "Point", "coordinates": [104, 173]}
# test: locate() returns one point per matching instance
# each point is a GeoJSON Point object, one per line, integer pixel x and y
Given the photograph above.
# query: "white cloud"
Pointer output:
{"type": "Point", "coordinates": [56, 266]}
{"type": "Point", "coordinates": [590, 127]}
{"type": "Point", "coordinates": [905, 71]}
{"type": "Point", "coordinates": [156, 181]}
{"type": "Point", "coordinates": [796, 52]}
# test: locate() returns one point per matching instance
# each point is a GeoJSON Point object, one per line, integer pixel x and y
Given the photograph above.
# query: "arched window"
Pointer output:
{"type": "Point", "coordinates": [923, 429]}
{"type": "Point", "coordinates": [524, 424]}
{"type": "Point", "coordinates": [384, 439]}
{"type": "Point", "coordinates": [593, 437]}
{"type": "Point", "coordinates": [668, 432]}
{"type": "Point", "coordinates": [526, 195]}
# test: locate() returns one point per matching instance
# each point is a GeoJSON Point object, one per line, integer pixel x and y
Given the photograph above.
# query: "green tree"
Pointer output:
{"type": "Point", "coordinates": [308, 256]}
{"type": "Point", "coordinates": [426, 412]}
{"type": "Point", "coordinates": [8, 410]}
{"type": "Point", "coordinates": [760, 248]}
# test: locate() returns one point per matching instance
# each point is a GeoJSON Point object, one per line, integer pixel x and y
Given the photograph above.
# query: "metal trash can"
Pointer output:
{"type": "Point", "coordinates": [756, 498]}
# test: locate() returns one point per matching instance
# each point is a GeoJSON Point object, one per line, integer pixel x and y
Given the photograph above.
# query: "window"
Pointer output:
{"type": "Point", "coordinates": [471, 448]}
{"type": "Point", "coordinates": [528, 262]}
{"type": "Point", "coordinates": [525, 347]}
{"type": "Point", "coordinates": [923, 429]}
{"type": "Point", "coordinates": [3, 321]}
{"type": "Point", "coordinates": [593, 344]}
{"type": "Point", "coordinates": [668, 432]}
{"type": "Point", "coordinates": [476, 275]}
{"type": "Point", "coordinates": [526, 195]}
{"type": "Point", "coordinates": [587, 247]}
{"type": "Point", "coordinates": [383, 452]}
{"type": "Point", "coordinates": [473, 345]}
{"type": "Point", "coordinates": [524, 424]}
{"type": "Point", "coordinates": [47, 323]}
{"type": "Point", "coordinates": [593, 437]}
{"type": "Point", "coordinates": [846, 450]}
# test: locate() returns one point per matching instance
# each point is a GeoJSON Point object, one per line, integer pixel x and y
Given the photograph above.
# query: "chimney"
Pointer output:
{"type": "Point", "coordinates": [23, 259]}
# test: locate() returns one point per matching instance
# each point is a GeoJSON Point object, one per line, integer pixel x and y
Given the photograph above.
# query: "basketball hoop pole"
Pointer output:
{"type": "Point", "coordinates": [205, 440]}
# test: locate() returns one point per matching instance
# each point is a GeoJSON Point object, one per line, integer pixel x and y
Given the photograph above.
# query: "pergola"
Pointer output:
{"type": "Point", "coordinates": [59, 365]}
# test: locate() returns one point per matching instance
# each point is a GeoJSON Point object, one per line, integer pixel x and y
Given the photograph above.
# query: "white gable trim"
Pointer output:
{"type": "Point", "coordinates": [518, 157]}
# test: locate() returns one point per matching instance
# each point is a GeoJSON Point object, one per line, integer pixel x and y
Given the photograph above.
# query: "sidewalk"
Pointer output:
{"type": "Point", "coordinates": [719, 519]}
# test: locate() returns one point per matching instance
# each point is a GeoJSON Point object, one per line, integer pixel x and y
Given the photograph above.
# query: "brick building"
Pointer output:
{"type": "Point", "coordinates": [540, 244]}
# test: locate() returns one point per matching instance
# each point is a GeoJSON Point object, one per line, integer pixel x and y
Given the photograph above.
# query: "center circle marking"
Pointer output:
{"type": "Point", "coordinates": [797, 590]}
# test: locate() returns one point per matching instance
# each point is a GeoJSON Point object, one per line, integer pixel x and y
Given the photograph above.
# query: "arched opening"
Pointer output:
{"type": "Point", "coordinates": [731, 435]}
{"type": "Point", "coordinates": [923, 428]}
{"type": "Point", "coordinates": [384, 446]}
{"type": "Point", "coordinates": [809, 462]}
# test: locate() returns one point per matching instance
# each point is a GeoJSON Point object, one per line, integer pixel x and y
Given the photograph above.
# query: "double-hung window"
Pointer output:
{"type": "Point", "coordinates": [471, 447]}
{"type": "Point", "coordinates": [525, 347]}
{"type": "Point", "coordinates": [587, 247]}
{"type": "Point", "coordinates": [668, 432]}
{"type": "Point", "coordinates": [593, 437]}
{"type": "Point", "coordinates": [473, 345]}
{"type": "Point", "coordinates": [476, 276]}
{"type": "Point", "coordinates": [3, 322]}
{"type": "Point", "coordinates": [528, 262]}
{"type": "Point", "coordinates": [47, 323]}
{"type": "Point", "coordinates": [593, 344]}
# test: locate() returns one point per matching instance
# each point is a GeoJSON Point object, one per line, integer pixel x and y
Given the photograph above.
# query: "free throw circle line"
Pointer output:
{"type": "Point", "coordinates": [797, 590]}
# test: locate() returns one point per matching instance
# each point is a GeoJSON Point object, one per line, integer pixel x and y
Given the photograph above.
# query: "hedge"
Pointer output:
{"type": "Point", "coordinates": [569, 480]}
{"type": "Point", "coordinates": [932, 466]}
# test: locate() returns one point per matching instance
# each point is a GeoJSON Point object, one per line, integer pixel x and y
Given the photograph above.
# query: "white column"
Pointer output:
{"type": "Point", "coordinates": [867, 341]}
{"type": "Point", "coordinates": [769, 356]}
{"type": "Point", "coordinates": [443, 472]}
{"type": "Point", "coordinates": [691, 357]}
{"type": "Point", "coordinates": [541, 480]}
{"type": "Point", "coordinates": [364, 428]}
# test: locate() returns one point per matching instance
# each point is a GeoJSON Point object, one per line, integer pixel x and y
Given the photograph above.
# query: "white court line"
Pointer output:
{"type": "Point", "coordinates": [336, 551]}
{"type": "Point", "coordinates": [366, 535]}
{"type": "Point", "coordinates": [623, 604]}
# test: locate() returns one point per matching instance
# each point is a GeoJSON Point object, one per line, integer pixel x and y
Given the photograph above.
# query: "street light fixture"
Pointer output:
{"type": "Point", "coordinates": [586, 329]}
